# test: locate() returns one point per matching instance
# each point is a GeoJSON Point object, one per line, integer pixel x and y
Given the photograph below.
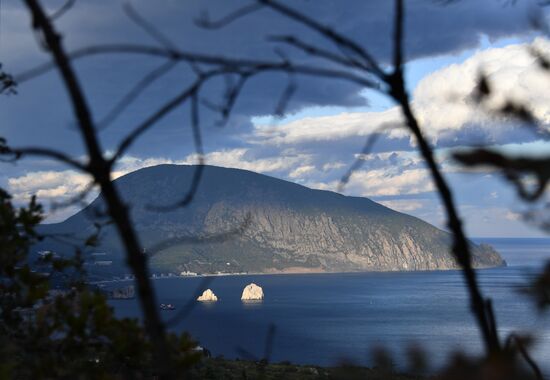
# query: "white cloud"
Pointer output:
{"type": "Point", "coordinates": [301, 171]}
{"type": "Point", "coordinates": [330, 186]}
{"type": "Point", "coordinates": [48, 184]}
{"type": "Point", "coordinates": [510, 215]}
{"type": "Point", "coordinates": [237, 158]}
{"type": "Point", "coordinates": [129, 164]}
{"type": "Point", "coordinates": [333, 165]}
{"type": "Point", "coordinates": [387, 181]}
{"type": "Point", "coordinates": [328, 128]}
{"type": "Point", "coordinates": [380, 182]}
{"type": "Point", "coordinates": [52, 187]}
{"type": "Point", "coordinates": [442, 102]}
{"type": "Point", "coordinates": [403, 205]}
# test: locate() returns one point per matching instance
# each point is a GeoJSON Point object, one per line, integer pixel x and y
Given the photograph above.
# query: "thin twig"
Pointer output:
{"type": "Point", "coordinates": [219, 62]}
{"type": "Point", "coordinates": [204, 239]}
{"type": "Point", "coordinates": [206, 23]}
{"type": "Point", "coordinates": [154, 118]}
{"type": "Point", "coordinates": [360, 160]}
{"type": "Point", "coordinates": [132, 95]}
{"type": "Point", "coordinates": [314, 50]}
{"type": "Point", "coordinates": [99, 167]}
{"type": "Point", "coordinates": [328, 33]}
{"type": "Point", "coordinates": [523, 351]}
{"type": "Point", "coordinates": [44, 152]}
{"type": "Point", "coordinates": [197, 174]}
{"type": "Point", "coordinates": [62, 10]}
{"type": "Point", "coordinates": [461, 247]}
{"type": "Point", "coordinates": [149, 28]}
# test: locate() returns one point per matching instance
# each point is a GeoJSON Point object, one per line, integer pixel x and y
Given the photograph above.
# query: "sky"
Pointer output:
{"type": "Point", "coordinates": [326, 122]}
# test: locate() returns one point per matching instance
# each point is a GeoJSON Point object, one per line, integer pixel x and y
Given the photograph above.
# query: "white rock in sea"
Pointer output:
{"type": "Point", "coordinates": [207, 296]}
{"type": "Point", "coordinates": [252, 292]}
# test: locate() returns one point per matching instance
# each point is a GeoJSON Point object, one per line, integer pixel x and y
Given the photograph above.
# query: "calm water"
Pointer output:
{"type": "Point", "coordinates": [324, 318]}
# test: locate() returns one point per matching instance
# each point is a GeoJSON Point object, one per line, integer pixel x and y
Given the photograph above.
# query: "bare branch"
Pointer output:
{"type": "Point", "coordinates": [62, 10]}
{"type": "Point", "coordinates": [285, 97]}
{"type": "Point", "coordinates": [314, 50]}
{"type": "Point", "coordinates": [231, 94]}
{"type": "Point", "coordinates": [252, 70]}
{"type": "Point", "coordinates": [513, 338]}
{"type": "Point", "coordinates": [7, 83]}
{"type": "Point", "coordinates": [149, 28]}
{"type": "Point", "coordinates": [100, 169]}
{"type": "Point", "coordinates": [367, 148]}
{"type": "Point", "coordinates": [219, 62]}
{"type": "Point", "coordinates": [76, 199]}
{"type": "Point", "coordinates": [398, 36]}
{"type": "Point", "coordinates": [204, 239]}
{"type": "Point", "coordinates": [155, 117]}
{"type": "Point", "coordinates": [512, 168]}
{"type": "Point", "coordinates": [328, 33]}
{"type": "Point", "coordinates": [132, 95]}
{"type": "Point", "coordinates": [44, 152]}
{"type": "Point", "coordinates": [461, 247]}
{"type": "Point", "coordinates": [63, 63]}
{"type": "Point", "coordinates": [197, 174]}
{"type": "Point", "coordinates": [205, 22]}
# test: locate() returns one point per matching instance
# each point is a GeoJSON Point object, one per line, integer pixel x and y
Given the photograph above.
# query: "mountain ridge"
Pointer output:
{"type": "Point", "coordinates": [291, 227]}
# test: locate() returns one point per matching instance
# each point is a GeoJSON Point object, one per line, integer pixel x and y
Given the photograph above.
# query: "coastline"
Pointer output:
{"type": "Point", "coordinates": [290, 273]}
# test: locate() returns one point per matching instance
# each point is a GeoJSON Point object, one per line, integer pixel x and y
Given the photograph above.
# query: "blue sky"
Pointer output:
{"type": "Point", "coordinates": [326, 122]}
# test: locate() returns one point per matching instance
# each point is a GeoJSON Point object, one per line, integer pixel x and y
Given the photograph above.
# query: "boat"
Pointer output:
{"type": "Point", "coordinates": [167, 306]}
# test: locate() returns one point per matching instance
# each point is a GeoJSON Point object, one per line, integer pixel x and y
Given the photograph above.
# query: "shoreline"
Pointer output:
{"type": "Point", "coordinates": [281, 273]}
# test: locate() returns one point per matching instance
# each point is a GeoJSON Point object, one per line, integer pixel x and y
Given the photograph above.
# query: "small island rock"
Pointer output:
{"type": "Point", "coordinates": [207, 295]}
{"type": "Point", "coordinates": [252, 292]}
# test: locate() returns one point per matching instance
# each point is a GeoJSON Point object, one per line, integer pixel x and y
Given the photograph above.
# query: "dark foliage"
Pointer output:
{"type": "Point", "coordinates": [53, 326]}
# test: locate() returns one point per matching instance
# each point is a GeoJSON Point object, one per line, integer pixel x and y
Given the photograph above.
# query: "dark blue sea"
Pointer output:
{"type": "Point", "coordinates": [326, 318]}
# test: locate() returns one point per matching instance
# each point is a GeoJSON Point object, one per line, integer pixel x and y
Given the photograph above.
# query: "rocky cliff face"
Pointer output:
{"type": "Point", "coordinates": [252, 292]}
{"type": "Point", "coordinates": [207, 296]}
{"type": "Point", "coordinates": [290, 228]}
{"type": "Point", "coordinates": [341, 241]}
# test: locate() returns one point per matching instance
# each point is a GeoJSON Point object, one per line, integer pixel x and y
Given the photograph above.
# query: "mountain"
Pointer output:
{"type": "Point", "coordinates": [241, 221]}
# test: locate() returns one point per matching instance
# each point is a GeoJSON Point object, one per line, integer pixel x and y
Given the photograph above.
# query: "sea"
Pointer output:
{"type": "Point", "coordinates": [329, 319]}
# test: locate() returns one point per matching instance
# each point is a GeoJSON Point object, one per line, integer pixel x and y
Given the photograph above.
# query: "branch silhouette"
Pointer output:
{"type": "Point", "coordinates": [100, 170]}
{"type": "Point", "coordinates": [352, 63]}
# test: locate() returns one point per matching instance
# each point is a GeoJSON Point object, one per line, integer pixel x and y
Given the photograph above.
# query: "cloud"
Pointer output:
{"type": "Point", "coordinates": [328, 128]}
{"type": "Point", "coordinates": [48, 184]}
{"type": "Point", "coordinates": [332, 166]}
{"type": "Point", "coordinates": [443, 104]}
{"type": "Point", "coordinates": [403, 205]}
{"type": "Point", "coordinates": [432, 29]}
{"type": "Point", "coordinates": [381, 182]}
{"type": "Point", "coordinates": [510, 215]}
{"type": "Point", "coordinates": [242, 158]}
{"type": "Point", "coordinates": [52, 187]}
{"type": "Point", "coordinates": [315, 150]}
{"type": "Point", "coordinates": [380, 178]}
{"type": "Point", "coordinates": [301, 171]}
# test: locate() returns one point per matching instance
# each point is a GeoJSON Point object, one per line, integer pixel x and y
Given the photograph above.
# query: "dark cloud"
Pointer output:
{"type": "Point", "coordinates": [41, 114]}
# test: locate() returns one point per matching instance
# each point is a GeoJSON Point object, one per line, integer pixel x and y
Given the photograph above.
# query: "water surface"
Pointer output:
{"type": "Point", "coordinates": [324, 318]}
